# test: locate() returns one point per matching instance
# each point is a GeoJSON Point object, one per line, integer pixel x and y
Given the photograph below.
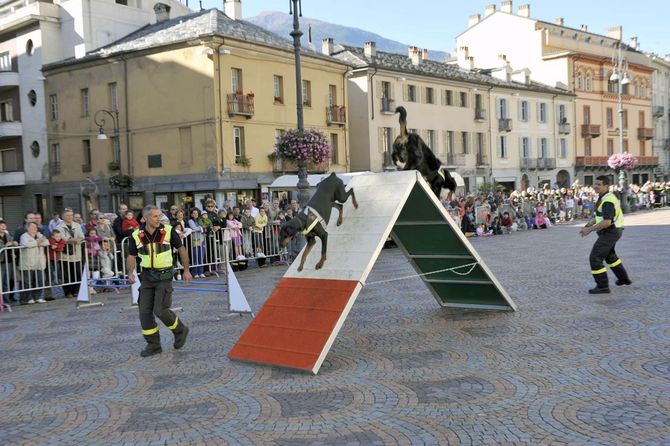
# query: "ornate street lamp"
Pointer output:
{"type": "Point", "coordinates": [295, 9]}
{"type": "Point", "coordinates": [620, 76]}
{"type": "Point", "coordinates": [99, 119]}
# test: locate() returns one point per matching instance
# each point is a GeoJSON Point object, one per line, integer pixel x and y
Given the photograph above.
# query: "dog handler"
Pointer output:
{"type": "Point", "coordinates": [608, 224]}
{"type": "Point", "coordinates": [153, 243]}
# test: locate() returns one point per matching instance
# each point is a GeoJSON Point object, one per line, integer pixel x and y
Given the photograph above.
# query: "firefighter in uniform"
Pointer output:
{"type": "Point", "coordinates": [608, 224]}
{"type": "Point", "coordinates": [153, 243]}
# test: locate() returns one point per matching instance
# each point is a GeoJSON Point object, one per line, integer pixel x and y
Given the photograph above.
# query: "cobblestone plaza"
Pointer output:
{"type": "Point", "coordinates": [566, 368]}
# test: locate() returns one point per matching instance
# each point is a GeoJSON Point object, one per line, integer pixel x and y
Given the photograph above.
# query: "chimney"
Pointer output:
{"type": "Point", "coordinates": [634, 43]}
{"type": "Point", "coordinates": [162, 12]}
{"type": "Point", "coordinates": [424, 53]}
{"type": "Point", "coordinates": [559, 21]}
{"type": "Point", "coordinates": [506, 7]}
{"type": "Point", "coordinates": [502, 58]}
{"type": "Point", "coordinates": [473, 20]}
{"type": "Point", "coordinates": [471, 63]}
{"type": "Point", "coordinates": [414, 54]}
{"type": "Point", "coordinates": [370, 49]}
{"type": "Point", "coordinates": [584, 27]}
{"type": "Point", "coordinates": [490, 9]}
{"type": "Point", "coordinates": [462, 54]}
{"type": "Point", "coordinates": [616, 32]}
{"type": "Point", "coordinates": [233, 9]}
{"type": "Point", "coordinates": [327, 46]}
{"type": "Point", "coordinates": [524, 10]}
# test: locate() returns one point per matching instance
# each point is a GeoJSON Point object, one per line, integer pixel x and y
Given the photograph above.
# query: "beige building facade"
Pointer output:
{"type": "Point", "coordinates": [200, 101]}
{"type": "Point", "coordinates": [580, 61]}
{"type": "Point", "coordinates": [457, 113]}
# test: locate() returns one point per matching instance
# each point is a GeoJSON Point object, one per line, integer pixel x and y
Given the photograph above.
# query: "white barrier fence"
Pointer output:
{"type": "Point", "coordinates": [40, 273]}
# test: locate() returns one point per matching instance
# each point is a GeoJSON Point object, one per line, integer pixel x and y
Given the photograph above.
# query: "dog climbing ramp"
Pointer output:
{"type": "Point", "coordinates": [300, 320]}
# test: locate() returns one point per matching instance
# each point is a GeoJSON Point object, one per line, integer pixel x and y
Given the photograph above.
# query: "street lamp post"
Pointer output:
{"type": "Point", "coordinates": [620, 76]}
{"type": "Point", "coordinates": [99, 119]}
{"type": "Point", "coordinates": [295, 9]}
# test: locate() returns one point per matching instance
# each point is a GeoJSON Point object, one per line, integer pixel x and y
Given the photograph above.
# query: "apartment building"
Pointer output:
{"type": "Point", "coordinates": [660, 85]}
{"type": "Point", "coordinates": [34, 33]}
{"type": "Point", "coordinates": [198, 102]}
{"type": "Point", "coordinates": [465, 116]}
{"type": "Point", "coordinates": [582, 62]}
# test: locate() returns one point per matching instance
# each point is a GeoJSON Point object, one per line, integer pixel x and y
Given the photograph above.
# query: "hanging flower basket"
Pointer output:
{"type": "Point", "coordinates": [308, 146]}
{"type": "Point", "coordinates": [122, 181]}
{"type": "Point", "coordinates": [624, 161]}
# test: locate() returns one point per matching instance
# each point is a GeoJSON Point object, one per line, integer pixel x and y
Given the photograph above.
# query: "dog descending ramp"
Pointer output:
{"type": "Point", "coordinates": [298, 323]}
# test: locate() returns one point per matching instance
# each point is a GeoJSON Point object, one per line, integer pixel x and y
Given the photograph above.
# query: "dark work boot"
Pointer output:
{"type": "Point", "coordinates": [180, 334]}
{"type": "Point", "coordinates": [621, 275]}
{"type": "Point", "coordinates": [598, 290]}
{"type": "Point", "coordinates": [153, 345]}
{"type": "Point", "coordinates": [602, 284]}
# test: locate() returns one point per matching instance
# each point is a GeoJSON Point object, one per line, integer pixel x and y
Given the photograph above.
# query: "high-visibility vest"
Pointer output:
{"type": "Point", "coordinates": [156, 255]}
{"type": "Point", "coordinates": [618, 214]}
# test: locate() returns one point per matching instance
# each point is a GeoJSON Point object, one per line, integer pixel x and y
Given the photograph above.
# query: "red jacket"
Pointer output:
{"type": "Point", "coordinates": [55, 248]}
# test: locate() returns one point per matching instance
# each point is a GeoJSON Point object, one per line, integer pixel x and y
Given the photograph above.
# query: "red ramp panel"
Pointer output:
{"type": "Point", "coordinates": [297, 324]}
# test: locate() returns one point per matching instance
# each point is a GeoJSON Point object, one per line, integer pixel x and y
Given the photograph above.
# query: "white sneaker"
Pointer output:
{"type": "Point", "coordinates": [31, 301]}
{"type": "Point", "coordinates": [202, 276]}
{"type": "Point", "coordinates": [178, 276]}
{"type": "Point", "coordinates": [91, 290]}
{"type": "Point", "coordinates": [260, 255]}
{"type": "Point", "coordinates": [41, 301]}
{"type": "Point", "coordinates": [241, 257]}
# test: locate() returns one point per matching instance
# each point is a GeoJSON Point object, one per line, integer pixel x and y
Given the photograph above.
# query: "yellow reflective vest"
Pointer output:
{"type": "Point", "coordinates": [618, 214]}
{"type": "Point", "coordinates": [157, 254]}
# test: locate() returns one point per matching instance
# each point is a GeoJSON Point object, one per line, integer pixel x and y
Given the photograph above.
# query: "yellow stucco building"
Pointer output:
{"type": "Point", "coordinates": [188, 106]}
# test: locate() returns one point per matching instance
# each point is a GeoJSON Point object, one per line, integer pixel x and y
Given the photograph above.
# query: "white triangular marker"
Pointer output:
{"type": "Point", "coordinates": [82, 295]}
{"type": "Point", "coordinates": [135, 288]}
{"type": "Point", "coordinates": [237, 301]}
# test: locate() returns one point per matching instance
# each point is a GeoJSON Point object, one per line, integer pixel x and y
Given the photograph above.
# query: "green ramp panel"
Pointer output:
{"type": "Point", "coordinates": [432, 242]}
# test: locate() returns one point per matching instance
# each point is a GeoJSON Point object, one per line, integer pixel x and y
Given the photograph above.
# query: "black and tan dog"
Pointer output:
{"type": "Point", "coordinates": [411, 153]}
{"type": "Point", "coordinates": [313, 219]}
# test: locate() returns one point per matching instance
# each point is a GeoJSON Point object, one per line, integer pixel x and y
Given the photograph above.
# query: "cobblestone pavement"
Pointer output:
{"type": "Point", "coordinates": [566, 368]}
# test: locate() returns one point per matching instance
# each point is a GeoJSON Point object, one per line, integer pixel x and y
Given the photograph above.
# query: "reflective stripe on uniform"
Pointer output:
{"type": "Point", "coordinates": [176, 322]}
{"type": "Point", "coordinates": [150, 331]}
{"type": "Point", "coordinates": [616, 263]}
{"type": "Point", "coordinates": [609, 197]}
{"type": "Point", "coordinates": [599, 271]}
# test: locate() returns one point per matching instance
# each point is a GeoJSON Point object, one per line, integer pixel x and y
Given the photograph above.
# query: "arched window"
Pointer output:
{"type": "Point", "coordinates": [588, 82]}
{"type": "Point", "coordinates": [580, 85]}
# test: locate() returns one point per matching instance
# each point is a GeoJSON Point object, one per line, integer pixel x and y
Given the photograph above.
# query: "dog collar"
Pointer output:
{"type": "Point", "coordinates": [311, 213]}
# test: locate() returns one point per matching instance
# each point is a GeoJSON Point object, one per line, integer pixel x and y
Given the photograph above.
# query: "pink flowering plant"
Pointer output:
{"type": "Point", "coordinates": [308, 146]}
{"type": "Point", "coordinates": [622, 161]}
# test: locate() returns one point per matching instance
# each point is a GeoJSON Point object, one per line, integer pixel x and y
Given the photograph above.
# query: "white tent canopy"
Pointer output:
{"type": "Point", "coordinates": [286, 182]}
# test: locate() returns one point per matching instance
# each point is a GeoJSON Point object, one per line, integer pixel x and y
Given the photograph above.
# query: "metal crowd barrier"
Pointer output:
{"type": "Point", "coordinates": [208, 254]}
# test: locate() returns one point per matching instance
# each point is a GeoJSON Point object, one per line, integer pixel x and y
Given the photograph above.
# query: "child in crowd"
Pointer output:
{"type": "Point", "coordinates": [106, 259]}
{"type": "Point", "coordinates": [93, 241]}
{"type": "Point", "coordinates": [496, 227]}
{"type": "Point", "coordinates": [129, 223]}
{"type": "Point", "coordinates": [56, 247]}
{"type": "Point", "coordinates": [482, 231]}
{"type": "Point", "coordinates": [235, 235]}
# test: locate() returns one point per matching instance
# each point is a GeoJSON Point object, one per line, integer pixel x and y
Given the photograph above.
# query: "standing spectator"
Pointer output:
{"type": "Point", "coordinates": [77, 219]}
{"type": "Point", "coordinates": [274, 210]}
{"type": "Point", "coordinates": [208, 232]}
{"type": "Point", "coordinates": [7, 262]}
{"type": "Point", "coordinates": [118, 222]}
{"type": "Point", "coordinates": [248, 223]}
{"type": "Point", "coordinates": [261, 236]}
{"type": "Point", "coordinates": [197, 242]}
{"type": "Point", "coordinates": [73, 236]}
{"type": "Point", "coordinates": [106, 258]}
{"type": "Point", "coordinates": [251, 204]}
{"type": "Point", "coordinates": [104, 229]}
{"type": "Point", "coordinates": [28, 217]}
{"type": "Point", "coordinates": [32, 264]}
{"type": "Point", "coordinates": [55, 221]}
{"type": "Point", "coordinates": [173, 213]}
{"type": "Point", "coordinates": [235, 235]}
{"type": "Point", "coordinates": [93, 219]}
{"type": "Point", "coordinates": [93, 248]}
{"type": "Point", "coordinates": [237, 214]}
{"type": "Point", "coordinates": [41, 228]}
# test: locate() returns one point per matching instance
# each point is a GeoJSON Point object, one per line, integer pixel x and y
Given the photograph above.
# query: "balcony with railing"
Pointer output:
{"type": "Point", "coordinates": [288, 166]}
{"type": "Point", "coordinates": [591, 161]}
{"type": "Point", "coordinates": [454, 159]}
{"type": "Point", "coordinates": [504, 125]}
{"type": "Point", "coordinates": [564, 128]}
{"type": "Point", "coordinates": [241, 105]}
{"type": "Point", "coordinates": [528, 163]}
{"type": "Point", "coordinates": [387, 106]}
{"type": "Point", "coordinates": [590, 130]}
{"type": "Point", "coordinates": [336, 114]}
{"type": "Point", "coordinates": [546, 163]}
{"type": "Point", "coordinates": [644, 133]}
{"type": "Point", "coordinates": [650, 161]}
{"type": "Point", "coordinates": [482, 159]}
{"type": "Point", "coordinates": [480, 114]}
{"type": "Point", "coordinates": [9, 79]}
{"type": "Point", "coordinates": [658, 111]}
{"type": "Point", "coordinates": [11, 168]}
{"type": "Point", "coordinates": [10, 129]}
{"type": "Point", "coordinates": [55, 168]}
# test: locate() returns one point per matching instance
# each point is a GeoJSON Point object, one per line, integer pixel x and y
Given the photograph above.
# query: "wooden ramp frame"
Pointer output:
{"type": "Point", "coordinates": [298, 323]}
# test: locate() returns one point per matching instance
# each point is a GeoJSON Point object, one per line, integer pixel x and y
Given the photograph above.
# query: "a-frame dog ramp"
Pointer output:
{"type": "Point", "coordinates": [300, 320]}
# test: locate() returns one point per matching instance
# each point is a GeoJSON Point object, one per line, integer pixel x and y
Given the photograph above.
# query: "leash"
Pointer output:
{"type": "Point", "coordinates": [452, 269]}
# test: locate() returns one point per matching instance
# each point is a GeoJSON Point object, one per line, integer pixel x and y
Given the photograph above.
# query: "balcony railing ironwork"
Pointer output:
{"type": "Point", "coordinates": [644, 133]}
{"type": "Point", "coordinates": [590, 130]}
{"type": "Point", "coordinates": [336, 114]}
{"type": "Point", "coordinates": [387, 105]}
{"type": "Point", "coordinates": [504, 125]}
{"type": "Point", "coordinates": [241, 105]}
{"type": "Point", "coordinates": [282, 165]}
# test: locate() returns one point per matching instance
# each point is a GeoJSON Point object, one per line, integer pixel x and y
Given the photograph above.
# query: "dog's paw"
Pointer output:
{"type": "Point", "coordinates": [339, 221]}
{"type": "Point", "coordinates": [319, 265]}
{"type": "Point", "coordinates": [300, 268]}
{"type": "Point", "coordinates": [355, 205]}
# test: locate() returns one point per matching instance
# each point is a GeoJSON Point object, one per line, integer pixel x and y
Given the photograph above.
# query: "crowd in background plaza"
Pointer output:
{"type": "Point", "coordinates": [496, 213]}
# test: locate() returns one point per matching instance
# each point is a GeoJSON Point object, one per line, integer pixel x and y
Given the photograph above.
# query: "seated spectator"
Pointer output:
{"type": "Point", "coordinates": [507, 224]}
{"type": "Point", "coordinates": [483, 231]}
{"type": "Point", "coordinates": [521, 222]}
{"type": "Point", "coordinates": [541, 222]}
{"type": "Point", "coordinates": [496, 227]}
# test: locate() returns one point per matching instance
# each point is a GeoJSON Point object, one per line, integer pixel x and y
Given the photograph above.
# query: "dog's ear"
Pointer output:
{"type": "Point", "coordinates": [290, 230]}
{"type": "Point", "coordinates": [402, 120]}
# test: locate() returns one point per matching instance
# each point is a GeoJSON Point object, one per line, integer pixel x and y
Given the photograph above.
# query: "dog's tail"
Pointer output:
{"type": "Point", "coordinates": [402, 120]}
